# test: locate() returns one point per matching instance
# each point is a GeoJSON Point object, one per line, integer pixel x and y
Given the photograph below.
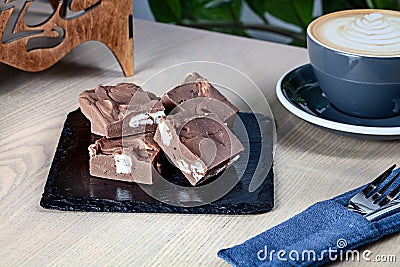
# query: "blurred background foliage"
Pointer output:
{"type": "Point", "coordinates": [225, 15]}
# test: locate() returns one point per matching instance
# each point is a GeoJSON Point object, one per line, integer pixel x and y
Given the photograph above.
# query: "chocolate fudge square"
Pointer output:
{"type": "Point", "coordinates": [121, 110]}
{"type": "Point", "coordinates": [195, 86]}
{"type": "Point", "coordinates": [130, 159]}
{"type": "Point", "coordinates": [201, 146]}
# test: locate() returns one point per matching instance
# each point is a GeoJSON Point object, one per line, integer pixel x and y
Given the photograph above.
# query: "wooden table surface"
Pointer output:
{"type": "Point", "coordinates": [311, 164]}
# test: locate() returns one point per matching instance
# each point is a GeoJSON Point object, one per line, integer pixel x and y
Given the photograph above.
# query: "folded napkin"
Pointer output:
{"type": "Point", "coordinates": [324, 232]}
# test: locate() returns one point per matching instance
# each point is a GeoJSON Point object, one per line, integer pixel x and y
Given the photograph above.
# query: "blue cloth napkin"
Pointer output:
{"type": "Point", "coordinates": [324, 232]}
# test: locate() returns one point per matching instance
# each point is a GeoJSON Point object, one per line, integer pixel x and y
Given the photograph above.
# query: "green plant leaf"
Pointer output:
{"type": "Point", "coordinates": [218, 3]}
{"type": "Point", "coordinates": [215, 12]}
{"type": "Point", "coordinates": [337, 5]}
{"type": "Point", "coordinates": [298, 12]}
{"type": "Point", "coordinates": [258, 7]}
{"type": "Point", "coordinates": [304, 9]}
{"type": "Point", "coordinates": [166, 10]}
{"type": "Point", "coordinates": [232, 31]}
{"type": "Point", "coordinates": [298, 43]}
{"type": "Point", "coordinates": [386, 4]}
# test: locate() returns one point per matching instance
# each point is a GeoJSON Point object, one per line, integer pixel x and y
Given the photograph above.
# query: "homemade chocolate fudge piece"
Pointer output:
{"type": "Point", "coordinates": [131, 158]}
{"type": "Point", "coordinates": [200, 146]}
{"type": "Point", "coordinates": [196, 86]}
{"type": "Point", "coordinates": [121, 110]}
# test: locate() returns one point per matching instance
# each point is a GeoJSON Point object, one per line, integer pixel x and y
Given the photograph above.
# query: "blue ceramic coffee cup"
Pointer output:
{"type": "Point", "coordinates": [356, 60]}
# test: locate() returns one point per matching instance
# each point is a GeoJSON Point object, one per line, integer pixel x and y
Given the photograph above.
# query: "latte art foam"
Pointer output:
{"type": "Point", "coordinates": [372, 29]}
{"type": "Point", "coordinates": [375, 33]}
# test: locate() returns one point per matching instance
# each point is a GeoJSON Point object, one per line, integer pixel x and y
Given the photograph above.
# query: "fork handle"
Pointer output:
{"type": "Point", "coordinates": [382, 211]}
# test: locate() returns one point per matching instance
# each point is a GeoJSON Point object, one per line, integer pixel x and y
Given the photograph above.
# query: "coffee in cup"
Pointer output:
{"type": "Point", "coordinates": [355, 55]}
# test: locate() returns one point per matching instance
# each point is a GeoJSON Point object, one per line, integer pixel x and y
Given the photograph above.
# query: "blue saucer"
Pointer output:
{"type": "Point", "coordinates": [299, 92]}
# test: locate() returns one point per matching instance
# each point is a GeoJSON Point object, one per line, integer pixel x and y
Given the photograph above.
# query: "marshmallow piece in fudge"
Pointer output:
{"type": "Point", "coordinates": [196, 86]}
{"type": "Point", "coordinates": [121, 110]}
{"type": "Point", "coordinates": [200, 146]}
{"type": "Point", "coordinates": [130, 159]}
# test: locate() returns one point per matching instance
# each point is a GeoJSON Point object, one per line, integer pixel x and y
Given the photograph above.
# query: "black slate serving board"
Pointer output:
{"type": "Point", "coordinates": [70, 187]}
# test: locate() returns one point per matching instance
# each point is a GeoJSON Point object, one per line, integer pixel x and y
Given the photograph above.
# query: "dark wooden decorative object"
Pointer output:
{"type": "Point", "coordinates": [38, 47]}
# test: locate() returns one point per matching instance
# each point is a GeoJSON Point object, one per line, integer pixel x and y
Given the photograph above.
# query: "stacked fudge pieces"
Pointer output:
{"type": "Point", "coordinates": [195, 134]}
{"type": "Point", "coordinates": [126, 116]}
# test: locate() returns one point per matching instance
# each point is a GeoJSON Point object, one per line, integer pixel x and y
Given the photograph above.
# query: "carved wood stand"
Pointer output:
{"type": "Point", "coordinates": [38, 47]}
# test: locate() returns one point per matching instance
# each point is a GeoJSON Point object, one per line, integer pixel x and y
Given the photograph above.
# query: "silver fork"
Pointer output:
{"type": "Point", "coordinates": [369, 199]}
{"type": "Point", "coordinates": [393, 206]}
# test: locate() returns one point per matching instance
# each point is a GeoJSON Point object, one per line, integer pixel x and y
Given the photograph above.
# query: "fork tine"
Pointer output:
{"type": "Point", "coordinates": [392, 194]}
{"type": "Point", "coordinates": [384, 188]}
{"type": "Point", "coordinates": [378, 180]}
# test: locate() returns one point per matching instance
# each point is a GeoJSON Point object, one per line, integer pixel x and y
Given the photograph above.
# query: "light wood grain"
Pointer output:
{"type": "Point", "coordinates": [310, 164]}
